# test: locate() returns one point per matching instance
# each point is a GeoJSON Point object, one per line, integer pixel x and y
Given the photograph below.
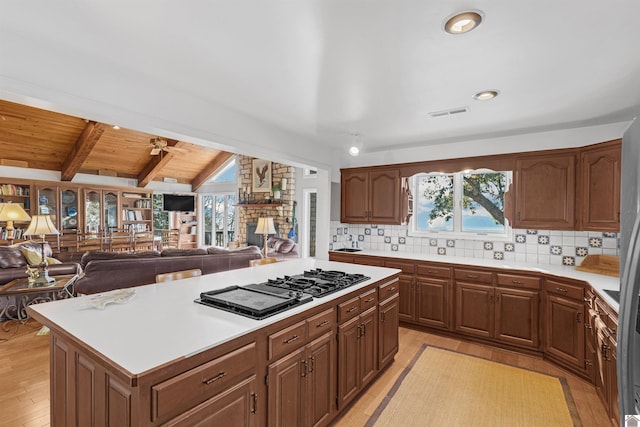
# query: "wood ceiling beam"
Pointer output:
{"type": "Point", "coordinates": [211, 168]}
{"type": "Point", "coordinates": [88, 139]}
{"type": "Point", "coordinates": [156, 164]}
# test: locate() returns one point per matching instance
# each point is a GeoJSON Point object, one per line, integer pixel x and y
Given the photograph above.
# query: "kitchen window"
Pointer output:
{"type": "Point", "coordinates": [466, 205]}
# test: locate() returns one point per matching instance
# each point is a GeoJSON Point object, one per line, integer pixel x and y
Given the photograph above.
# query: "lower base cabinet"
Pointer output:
{"type": "Point", "coordinates": [357, 355]}
{"type": "Point", "coordinates": [300, 385]}
{"type": "Point", "coordinates": [388, 338]}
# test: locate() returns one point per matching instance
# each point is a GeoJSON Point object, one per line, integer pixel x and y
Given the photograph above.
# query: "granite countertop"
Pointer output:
{"type": "Point", "coordinates": [599, 282]}
{"type": "Point", "coordinates": [162, 323]}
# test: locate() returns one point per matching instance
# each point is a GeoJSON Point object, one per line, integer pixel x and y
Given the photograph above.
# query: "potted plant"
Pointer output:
{"type": "Point", "coordinates": [276, 191]}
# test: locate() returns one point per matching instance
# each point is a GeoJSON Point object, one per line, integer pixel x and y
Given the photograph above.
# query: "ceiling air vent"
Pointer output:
{"type": "Point", "coordinates": [449, 112]}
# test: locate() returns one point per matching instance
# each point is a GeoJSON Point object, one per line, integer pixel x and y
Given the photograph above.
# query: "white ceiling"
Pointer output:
{"type": "Point", "coordinates": [321, 70]}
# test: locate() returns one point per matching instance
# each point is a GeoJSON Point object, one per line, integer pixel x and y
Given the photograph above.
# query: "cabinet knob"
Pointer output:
{"type": "Point", "coordinates": [214, 379]}
{"type": "Point", "coordinates": [323, 323]}
{"type": "Point", "coordinates": [352, 309]}
{"type": "Point", "coordinates": [561, 290]}
{"type": "Point", "coordinates": [292, 339]}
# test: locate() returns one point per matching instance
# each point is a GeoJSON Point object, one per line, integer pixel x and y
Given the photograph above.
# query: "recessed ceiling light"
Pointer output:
{"type": "Point", "coordinates": [485, 95]}
{"type": "Point", "coordinates": [116, 127]}
{"type": "Point", "coordinates": [354, 151]}
{"type": "Point", "coordinates": [463, 22]}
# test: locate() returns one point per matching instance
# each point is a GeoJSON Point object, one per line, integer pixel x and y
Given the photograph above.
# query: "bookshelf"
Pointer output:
{"type": "Point", "coordinates": [19, 193]}
{"type": "Point", "coordinates": [188, 227]}
{"type": "Point", "coordinates": [137, 211]}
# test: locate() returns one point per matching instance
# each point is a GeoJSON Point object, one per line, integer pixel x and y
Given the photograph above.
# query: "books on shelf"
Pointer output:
{"type": "Point", "coordinates": [14, 190]}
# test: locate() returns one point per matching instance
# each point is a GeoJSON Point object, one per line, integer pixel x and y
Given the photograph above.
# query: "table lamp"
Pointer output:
{"type": "Point", "coordinates": [41, 225]}
{"type": "Point", "coordinates": [12, 212]}
{"type": "Point", "coordinates": [265, 227]}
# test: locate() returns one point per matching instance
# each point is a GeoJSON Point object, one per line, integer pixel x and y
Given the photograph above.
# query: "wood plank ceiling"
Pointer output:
{"type": "Point", "coordinates": [40, 139]}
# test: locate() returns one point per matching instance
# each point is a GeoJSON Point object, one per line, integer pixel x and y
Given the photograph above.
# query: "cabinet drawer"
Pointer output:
{"type": "Point", "coordinates": [368, 299]}
{"type": "Point", "coordinates": [474, 275]}
{"type": "Point", "coordinates": [388, 290]}
{"type": "Point", "coordinates": [517, 281]}
{"type": "Point", "coordinates": [433, 271]}
{"type": "Point", "coordinates": [348, 309]}
{"type": "Point", "coordinates": [406, 267]}
{"type": "Point", "coordinates": [564, 289]}
{"type": "Point", "coordinates": [186, 390]}
{"type": "Point", "coordinates": [320, 323]}
{"type": "Point", "coordinates": [286, 340]}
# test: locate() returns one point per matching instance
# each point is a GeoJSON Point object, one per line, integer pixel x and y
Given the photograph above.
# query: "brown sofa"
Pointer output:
{"type": "Point", "coordinates": [281, 248]}
{"type": "Point", "coordinates": [105, 271]}
{"type": "Point", "coordinates": [13, 263]}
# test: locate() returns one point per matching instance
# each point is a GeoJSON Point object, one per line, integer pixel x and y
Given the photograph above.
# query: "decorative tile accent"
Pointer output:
{"type": "Point", "coordinates": [374, 225]}
{"type": "Point", "coordinates": [582, 251]}
{"type": "Point", "coordinates": [380, 231]}
{"type": "Point", "coordinates": [498, 255]}
{"type": "Point", "coordinates": [521, 238]}
{"type": "Point", "coordinates": [595, 242]}
{"type": "Point", "coordinates": [335, 239]}
{"type": "Point", "coordinates": [367, 231]}
{"type": "Point", "coordinates": [345, 230]}
{"type": "Point", "coordinates": [555, 250]}
{"type": "Point", "coordinates": [433, 242]}
{"type": "Point", "coordinates": [360, 238]}
{"type": "Point", "coordinates": [488, 246]}
{"type": "Point", "coordinates": [568, 260]}
{"type": "Point", "coordinates": [509, 247]}
{"type": "Point", "coordinates": [349, 237]}
{"type": "Point", "coordinates": [330, 246]}
{"type": "Point", "coordinates": [387, 239]}
{"type": "Point", "coordinates": [605, 234]}
{"type": "Point", "coordinates": [451, 243]}
{"type": "Point", "coordinates": [543, 240]}
{"type": "Point", "coordinates": [339, 230]}
{"type": "Point", "coordinates": [532, 231]}
{"type": "Point", "coordinates": [402, 240]}
{"type": "Point", "coordinates": [442, 251]}
{"type": "Point", "coordinates": [394, 247]}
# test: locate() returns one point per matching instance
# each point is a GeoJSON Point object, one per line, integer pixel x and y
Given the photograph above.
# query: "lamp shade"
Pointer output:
{"type": "Point", "coordinates": [13, 212]}
{"type": "Point", "coordinates": [265, 226]}
{"type": "Point", "coordinates": [41, 225]}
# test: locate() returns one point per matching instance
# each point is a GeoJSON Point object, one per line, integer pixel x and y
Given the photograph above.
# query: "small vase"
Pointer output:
{"type": "Point", "coordinates": [276, 195]}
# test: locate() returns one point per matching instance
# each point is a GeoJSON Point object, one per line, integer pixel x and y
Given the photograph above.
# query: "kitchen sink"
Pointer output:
{"type": "Point", "coordinates": [348, 250]}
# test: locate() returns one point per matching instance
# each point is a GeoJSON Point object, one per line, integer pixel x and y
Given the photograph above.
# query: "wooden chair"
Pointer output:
{"type": "Point", "coordinates": [177, 275]}
{"type": "Point", "coordinates": [143, 241]}
{"type": "Point", "coordinates": [120, 241]}
{"type": "Point", "coordinates": [170, 238]}
{"type": "Point", "coordinates": [89, 241]}
{"type": "Point", "coordinates": [261, 261]}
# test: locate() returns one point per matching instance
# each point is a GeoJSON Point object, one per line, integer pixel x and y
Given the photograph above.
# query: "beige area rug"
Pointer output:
{"type": "Point", "coordinates": [445, 388]}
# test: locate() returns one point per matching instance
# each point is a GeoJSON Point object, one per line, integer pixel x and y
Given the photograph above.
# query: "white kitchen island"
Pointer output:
{"type": "Point", "coordinates": [137, 362]}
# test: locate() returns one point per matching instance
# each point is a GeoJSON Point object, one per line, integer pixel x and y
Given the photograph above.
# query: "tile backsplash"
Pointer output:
{"type": "Point", "coordinates": [527, 246]}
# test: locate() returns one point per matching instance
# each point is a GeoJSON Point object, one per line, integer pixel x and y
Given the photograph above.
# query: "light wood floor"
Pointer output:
{"type": "Point", "coordinates": [24, 377]}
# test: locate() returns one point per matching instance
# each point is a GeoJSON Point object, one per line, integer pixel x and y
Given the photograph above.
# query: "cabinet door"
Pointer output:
{"type": "Point", "coordinates": [545, 192]}
{"type": "Point", "coordinates": [348, 354]}
{"type": "Point", "coordinates": [517, 317]}
{"type": "Point", "coordinates": [614, 406]}
{"type": "Point", "coordinates": [320, 380]}
{"type": "Point", "coordinates": [285, 390]}
{"type": "Point", "coordinates": [69, 213]}
{"type": "Point", "coordinates": [600, 187]}
{"type": "Point", "coordinates": [354, 197]}
{"type": "Point", "coordinates": [474, 309]}
{"type": "Point", "coordinates": [111, 211]}
{"type": "Point", "coordinates": [235, 406]}
{"type": "Point", "coordinates": [432, 301]}
{"type": "Point", "coordinates": [368, 345]}
{"type": "Point", "coordinates": [565, 331]}
{"type": "Point", "coordinates": [384, 197]}
{"type": "Point", "coordinates": [48, 203]}
{"type": "Point", "coordinates": [406, 305]}
{"type": "Point", "coordinates": [388, 347]}
{"type": "Point", "coordinates": [92, 211]}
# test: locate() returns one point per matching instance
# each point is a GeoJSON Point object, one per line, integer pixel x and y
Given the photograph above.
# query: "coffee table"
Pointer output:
{"type": "Point", "coordinates": [19, 294]}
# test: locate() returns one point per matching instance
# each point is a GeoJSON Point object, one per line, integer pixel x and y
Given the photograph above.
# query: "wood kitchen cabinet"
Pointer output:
{"type": "Point", "coordinates": [599, 197]}
{"type": "Point", "coordinates": [432, 295]}
{"type": "Point", "coordinates": [370, 196]}
{"type": "Point", "coordinates": [388, 330]}
{"type": "Point", "coordinates": [357, 355]}
{"type": "Point", "coordinates": [606, 325]}
{"type": "Point", "coordinates": [406, 303]}
{"type": "Point", "coordinates": [545, 191]}
{"type": "Point", "coordinates": [301, 385]}
{"type": "Point", "coordinates": [474, 309]}
{"type": "Point", "coordinates": [564, 318]}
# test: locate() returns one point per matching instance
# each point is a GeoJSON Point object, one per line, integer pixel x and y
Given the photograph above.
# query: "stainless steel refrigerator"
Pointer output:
{"type": "Point", "coordinates": [628, 320]}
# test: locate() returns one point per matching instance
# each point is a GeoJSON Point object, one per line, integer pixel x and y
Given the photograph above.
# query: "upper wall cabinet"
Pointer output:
{"type": "Point", "coordinates": [599, 195]}
{"type": "Point", "coordinates": [370, 196]}
{"type": "Point", "coordinates": [545, 191]}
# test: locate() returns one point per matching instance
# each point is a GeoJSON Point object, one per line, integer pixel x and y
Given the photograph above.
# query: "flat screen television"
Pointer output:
{"type": "Point", "coordinates": [179, 202]}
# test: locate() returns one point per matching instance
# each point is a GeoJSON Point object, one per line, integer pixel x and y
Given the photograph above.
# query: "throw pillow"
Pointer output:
{"type": "Point", "coordinates": [34, 258]}
{"type": "Point", "coordinates": [11, 257]}
{"type": "Point", "coordinates": [287, 246]}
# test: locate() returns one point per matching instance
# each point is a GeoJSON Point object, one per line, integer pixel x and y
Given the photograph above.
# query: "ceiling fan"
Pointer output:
{"type": "Point", "coordinates": [158, 145]}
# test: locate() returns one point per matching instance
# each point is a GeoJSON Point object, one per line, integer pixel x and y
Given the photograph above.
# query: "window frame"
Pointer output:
{"type": "Point", "coordinates": [458, 192]}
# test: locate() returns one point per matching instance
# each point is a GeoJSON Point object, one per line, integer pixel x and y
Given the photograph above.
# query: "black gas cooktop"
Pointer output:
{"type": "Point", "coordinates": [261, 300]}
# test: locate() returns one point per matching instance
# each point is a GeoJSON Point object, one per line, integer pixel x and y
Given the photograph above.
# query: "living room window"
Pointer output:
{"type": "Point", "coordinates": [219, 219]}
{"type": "Point", "coordinates": [467, 204]}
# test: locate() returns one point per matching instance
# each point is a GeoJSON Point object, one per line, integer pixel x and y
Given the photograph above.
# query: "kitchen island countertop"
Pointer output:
{"type": "Point", "coordinates": [162, 323]}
